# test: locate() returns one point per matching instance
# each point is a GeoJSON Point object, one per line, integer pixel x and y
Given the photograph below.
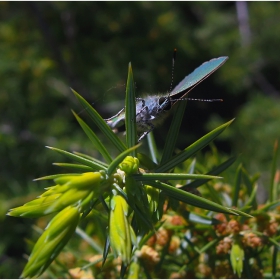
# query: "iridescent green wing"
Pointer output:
{"type": "Point", "coordinates": [198, 75]}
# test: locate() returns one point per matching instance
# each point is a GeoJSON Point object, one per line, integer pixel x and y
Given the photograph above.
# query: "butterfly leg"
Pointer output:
{"type": "Point", "coordinates": [117, 120]}
{"type": "Point", "coordinates": [150, 128]}
{"type": "Point", "coordinates": [144, 107]}
{"type": "Point", "coordinates": [144, 119]}
{"type": "Point", "coordinates": [115, 115]}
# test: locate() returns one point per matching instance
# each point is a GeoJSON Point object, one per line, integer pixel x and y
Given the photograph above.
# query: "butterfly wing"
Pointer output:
{"type": "Point", "coordinates": [198, 75]}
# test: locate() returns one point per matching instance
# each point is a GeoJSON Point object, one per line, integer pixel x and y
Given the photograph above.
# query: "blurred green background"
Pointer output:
{"type": "Point", "coordinates": [48, 47]}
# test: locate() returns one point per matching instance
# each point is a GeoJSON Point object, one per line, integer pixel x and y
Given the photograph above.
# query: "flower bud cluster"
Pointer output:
{"type": "Point", "coordinates": [75, 189]}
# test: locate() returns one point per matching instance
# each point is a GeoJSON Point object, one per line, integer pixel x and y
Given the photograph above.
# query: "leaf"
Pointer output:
{"type": "Point", "coordinates": [102, 125]}
{"type": "Point", "coordinates": [199, 219]}
{"type": "Point", "coordinates": [152, 147]}
{"type": "Point", "coordinates": [93, 164]}
{"type": "Point", "coordinates": [191, 199]}
{"type": "Point", "coordinates": [171, 176]}
{"type": "Point", "coordinates": [192, 149]}
{"type": "Point", "coordinates": [81, 167]}
{"type": "Point", "coordinates": [215, 171]}
{"type": "Point", "coordinates": [130, 114]}
{"type": "Point", "coordinates": [251, 201]}
{"type": "Point", "coordinates": [274, 260]}
{"type": "Point", "coordinates": [94, 139]}
{"type": "Point", "coordinates": [146, 161]}
{"type": "Point", "coordinates": [91, 158]}
{"type": "Point", "coordinates": [173, 132]}
{"type": "Point", "coordinates": [273, 191]}
{"type": "Point", "coordinates": [267, 207]}
{"type": "Point", "coordinates": [88, 239]}
{"type": "Point", "coordinates": [252, 189]}
{"type": "Point", "coordinates": [120, 158]}
{"type": "Point", "coordinates": [237, 185]}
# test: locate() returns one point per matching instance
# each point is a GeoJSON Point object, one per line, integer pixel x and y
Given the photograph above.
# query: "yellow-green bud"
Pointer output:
{"type": "Point", "coordinates": [70, 190]}
{"type": "Point", "coordinates": [84, 180]}
{"type": "Point", "coordinates": [54, 238]}
{"type": "Point", "coordinates": [119, 229]}
{"type": "Point", "coordinates": [130, 165]}
{"type": "Point", "coordinates": [236, 258]}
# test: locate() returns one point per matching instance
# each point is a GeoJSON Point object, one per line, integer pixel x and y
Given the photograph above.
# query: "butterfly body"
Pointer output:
{"type": "Point", "coordinates": [152, 110]}
{"type": "Point", "coordinates": [149, 112]}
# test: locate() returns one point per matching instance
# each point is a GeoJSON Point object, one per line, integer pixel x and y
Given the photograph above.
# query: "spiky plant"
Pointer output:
{"type": "Point", "coordinates": [132, 189]}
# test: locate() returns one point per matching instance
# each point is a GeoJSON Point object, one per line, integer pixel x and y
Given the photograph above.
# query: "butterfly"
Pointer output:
{"type": "Point", "coordinates": [153, 109]}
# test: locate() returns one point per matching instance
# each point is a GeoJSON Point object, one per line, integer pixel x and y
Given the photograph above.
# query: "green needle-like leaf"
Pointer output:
{"type": "Point", "coordinates": [95, 165]}
{"type": "Point", "coordinates": [191, 198]}
{"type": "Point", "coordinates": [208, 246]}
{"type": "Point", "coordinates": [173, 132]}
{"type": "Point", "coordinates": [252, 199]}
{"type": "Point", "coordinates": [205, 220]}
{"type": "Point", "coordinates": [152, 147]}
{"type": "Point", "coordinates": [237, 185]}
{"type": "Point", "coordinates": [268, 207]}
{"type": "Point", "coordinates": [130, 114]}
{"type": "Point", "coordinates": [251, 189]}
{"type": "Point", "coordinates": [120, 158]}
{"type": "Point", "coordinates": [102, 125]}
{"type": "Point", "coordinates": [146, 161]}
{"type": "Point", "coordinates": [55, 176]}
{"type": "Point", "coordinates": [96, 247]}
{"type": "Point", "coordinates": [94, 139]}
{"type": "Point", "coordinates": [80, 167]}
{"type": "Point", "coordinates": [272, 191]}
{"type": "Point", "coordinates": [215, 171]}
{"type": "Point", "coordinates": [171, 176]}
{"type": "Point", "coordinates": [242, 213]}
{"type": "Point", "coordinates": [274, 260]}
{"type": "Point", "coordinates": [192, 149]}
{"type": "Point", "coordinates": [91, 159]}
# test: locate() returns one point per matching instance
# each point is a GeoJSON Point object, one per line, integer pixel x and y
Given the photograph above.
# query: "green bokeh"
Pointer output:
{"type": "Point", "coordinates": [48, 47]}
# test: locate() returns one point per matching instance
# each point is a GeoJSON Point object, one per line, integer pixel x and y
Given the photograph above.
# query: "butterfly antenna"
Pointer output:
{"type": "Point", "coordinates": [173, 67]}
{"type": "Point", "coordinates": [198, 99]}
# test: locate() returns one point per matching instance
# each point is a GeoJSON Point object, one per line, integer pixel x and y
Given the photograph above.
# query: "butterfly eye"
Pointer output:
{"type": "Point", "coordinates": [164, 103]}
{"type": "Point", "coordinates": [161, 100]}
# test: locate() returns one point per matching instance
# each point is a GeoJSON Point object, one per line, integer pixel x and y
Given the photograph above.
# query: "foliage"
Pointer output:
{"type": "Point", "coordinates": [48, 46]}
{"type": "Point", "coordinates": [134, 201]}
{"type": "Point", "coordinates": [251, 118]}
